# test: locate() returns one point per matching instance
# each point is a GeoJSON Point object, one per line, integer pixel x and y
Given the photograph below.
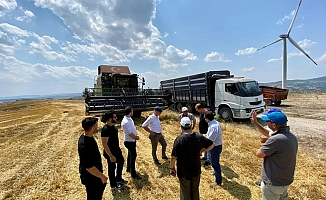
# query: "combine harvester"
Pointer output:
{"type": "Point", "coordinates": [116, 88]}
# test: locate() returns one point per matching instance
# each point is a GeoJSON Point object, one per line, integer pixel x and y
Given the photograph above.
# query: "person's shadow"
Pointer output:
{"type": "Point", "coordinates": [164, 169]}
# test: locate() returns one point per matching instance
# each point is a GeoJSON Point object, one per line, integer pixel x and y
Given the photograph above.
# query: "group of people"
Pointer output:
{"type": "Point", "coordinates": [278, 151]}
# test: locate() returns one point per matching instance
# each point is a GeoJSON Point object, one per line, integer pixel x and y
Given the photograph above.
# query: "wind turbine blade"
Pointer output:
{"type": "Point", "coordinates": [298, 47]}
{"type": "Point", "coordinates": [270, 44]}
{"type": "Point", "coordinates": [295, 16]}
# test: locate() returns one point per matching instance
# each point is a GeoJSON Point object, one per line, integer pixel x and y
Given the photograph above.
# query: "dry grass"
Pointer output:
{"type": "Point", "coordinates": [39, 159]}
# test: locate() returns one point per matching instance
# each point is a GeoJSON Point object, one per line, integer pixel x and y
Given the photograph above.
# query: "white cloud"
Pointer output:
{"type": "Point", "coordinates": [26, 17]}
{"type": "Point", "coordinates": [165, 35]}
{"type": "Point", "coordinates": [286, 17]}
{"type": "Point", "coordinates": [246, 51]}
{"type": "Point", "coordinates": [323, 57]}
{"type": "Point", "coordinates": [15, 30]}
{"type": "Point", "coordinates": [306, 43]}
{"type": "Point", "coordinates": [216, 57]}
{"type": "Point", "coordinates": [248, 69]}
{"type": "Point", "coordinates": [274, 59]}
{"type": "Point", "coordinates": [173, 58]}
{"type": "Point", "coordinates": [7, 6]}
{"type": "Point", "coordinates": [9, 44]}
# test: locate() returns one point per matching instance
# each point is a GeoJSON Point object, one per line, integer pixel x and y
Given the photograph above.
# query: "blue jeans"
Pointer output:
{"type": "Point", "coordinates": [206, 155]}
{"type": "Point", "coordinates": [214, 155]}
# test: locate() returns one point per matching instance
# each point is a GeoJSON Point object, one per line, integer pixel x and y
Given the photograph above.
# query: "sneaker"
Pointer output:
{"type": "Point", "coordinates": [165, 158]}
{"type": "Point", "coordinates": [215, 184]}
{"type": "Point", "coordinates": [122, 182]}
{"type": "Point", "coordinates": [258, 183]}
{"type": "Point", "coordinates": [157, 162]}
{"type": "Point", "coordinates": [117, 187]}
{"type": "Point", "coordinates": [136, 177]}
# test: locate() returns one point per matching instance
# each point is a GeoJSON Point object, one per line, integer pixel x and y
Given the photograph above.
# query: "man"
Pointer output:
{"type": "Point", "coordinates": [112, 151]}
{"type": "Point", "coordinates": [186, 151]}
{"type": "Point", "coordinates": [90, 164]}
{"type": "Point", "coordinates": [203, 127]}
{"type": "Point", "coordinates": [130, 137]}
{"type": "Point", "coordinates": [153, 126]}
{"type": "Point", "coordinates": [185, 113]}
{"type": "Point", "coordinates": [214, 133]}
{"type": "Point", "coordinates": [279, 153]}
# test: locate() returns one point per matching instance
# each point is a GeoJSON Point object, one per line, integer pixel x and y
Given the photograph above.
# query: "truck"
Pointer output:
{"type": "Point", "coordinates": [230, 97]}
{"type": "Point", "coordinates": [273, 95]}
{"type": "Point", "coordinates": [115, 87]}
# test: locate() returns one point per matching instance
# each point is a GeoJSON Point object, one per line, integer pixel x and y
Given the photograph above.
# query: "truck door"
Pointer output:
{"type": "Point", "coordinates": [231, 96]}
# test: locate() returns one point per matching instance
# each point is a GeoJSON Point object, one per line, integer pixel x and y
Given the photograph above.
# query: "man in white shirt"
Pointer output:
{"type": "Point", "coordinates": [153, 126]}
{"type": "Point", "coordinates": [214, 133]}
{"type": "Point", "coordinates": [130, 137]}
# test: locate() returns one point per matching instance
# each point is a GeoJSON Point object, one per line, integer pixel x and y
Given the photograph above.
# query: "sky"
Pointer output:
{"type": "Point", "coordinates": [55, 46]}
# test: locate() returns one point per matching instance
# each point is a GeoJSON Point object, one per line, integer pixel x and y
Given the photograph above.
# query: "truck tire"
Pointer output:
{"type": "Point", "coordinates": [268, 102]}
{"type": "Point", "coordinates": [190, 108]}
{"type": "Point", "coordinates": [137, 114]}
{"type": "Point", "coordinates": [173, 107]}
{"type": "Point", "coordinates": [179, 107]}
{"type": "Point", "coordinates": [225, 113]}
{"type": "Point", "coordinates": [277, 103]}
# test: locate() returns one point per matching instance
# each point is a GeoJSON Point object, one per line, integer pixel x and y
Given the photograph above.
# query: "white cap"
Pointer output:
{"type": "Point", "coordinates": [185, 121]}
{"type": "Point", "coordinates": [184, 109]}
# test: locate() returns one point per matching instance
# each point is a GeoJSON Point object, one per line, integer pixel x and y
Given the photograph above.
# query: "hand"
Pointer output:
{"type": "Point", "coordinates": [263, 138]}
{"type": "Point", "coordinates": [152, 133]}
{"type": "Point", "coordinates": [253, 118]}
{"type": "Point", "coordinates": [173, 172]}
{"type": "Point", "coordinates": [137, 137]}
{"type": "Point", "coordinates": [113, 159]}
{"type": "Point", "coordinates": [104, 179]}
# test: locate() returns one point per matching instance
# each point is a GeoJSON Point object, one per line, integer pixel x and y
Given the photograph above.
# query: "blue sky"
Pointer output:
{"type": "Point", "coordinates": [55, 46]}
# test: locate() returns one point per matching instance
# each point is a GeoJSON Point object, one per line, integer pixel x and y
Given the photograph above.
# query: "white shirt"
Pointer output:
{"type": "Point", "coordinates": [128, 127]}
{"type": "Point", "coordinates": [154, 123]}
{"type": "Point", "coordinates": [214, 132]}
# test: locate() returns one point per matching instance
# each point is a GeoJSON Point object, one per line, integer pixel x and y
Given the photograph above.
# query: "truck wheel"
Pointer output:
{"type": "Point", "coordinates": [137, 114]}
{"type": "Point", "coordinates": [179, 107]}
{"type": "Point", "coordinates": [173, 107]}
{"type": "Point", "coordinates": [226, 114]}
{"type": "Point", "coordinates": [268, 102]}
{"type": "Point", "coordinates": [277, 103]}
{"type": "Point", "coordinates": [189, 106]}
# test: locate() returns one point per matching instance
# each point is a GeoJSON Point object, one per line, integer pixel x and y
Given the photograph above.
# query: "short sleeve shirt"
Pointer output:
{"type": "Point", "coordinates": [186, 148]}
{"type": "Point", "coordinates": [112, 133]}
{"type": "Point", "coordinates": [89, 156]}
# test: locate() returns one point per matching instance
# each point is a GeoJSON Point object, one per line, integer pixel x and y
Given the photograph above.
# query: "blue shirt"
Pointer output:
{"type": "Point", "coordinates": [214, 132]}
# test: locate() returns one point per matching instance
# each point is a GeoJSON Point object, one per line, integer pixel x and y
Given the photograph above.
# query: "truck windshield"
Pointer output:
{"type": "Point", "coordinates": [249, 88]}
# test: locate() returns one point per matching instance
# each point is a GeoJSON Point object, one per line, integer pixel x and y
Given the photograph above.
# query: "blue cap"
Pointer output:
{"type": "Point", "coordinates": [158, 109]}
{"type": "Point", "coordinates": [271, 110]}
{"type": "Point", "coordinates": [275, 117]}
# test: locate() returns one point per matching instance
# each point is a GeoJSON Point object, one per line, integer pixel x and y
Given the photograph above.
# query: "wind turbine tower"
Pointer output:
{"type": "Point", "coordinates": [284, 37]}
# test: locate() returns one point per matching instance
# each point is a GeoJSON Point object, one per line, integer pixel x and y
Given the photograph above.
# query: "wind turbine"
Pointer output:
{"type": "Point", "coordinates": [284, 37]}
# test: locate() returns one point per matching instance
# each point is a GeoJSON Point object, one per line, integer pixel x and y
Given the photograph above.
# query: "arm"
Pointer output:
{"type": "Point", "coordinates": [261, 129]}
{"type": "Point", "coordinates": [145, 125]}
{"type": "Point", "coordinates": [107, 149]}
{"type": "Point", "coordinates": [193, 121]}
{"type": "Point", "coordinates": [172, 166]}
{"type": "Point", "coordinates": [260, 154]}
{"type": "Point", "coordinates": [95, 172]}
{"type": "Point", "coordinates": [148, 130]}
{"type": "Point", "coordinates": [134, 136]}
{"type": "Point", "coordinates": [206, 149]}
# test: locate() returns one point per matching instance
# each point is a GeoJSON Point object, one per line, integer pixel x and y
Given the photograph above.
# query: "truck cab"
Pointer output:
{"type": "Point", "coordinates": [237, 97]}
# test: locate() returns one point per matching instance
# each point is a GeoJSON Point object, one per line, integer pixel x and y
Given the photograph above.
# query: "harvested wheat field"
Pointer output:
{"type": "Point", "coordinates": [39, 159]}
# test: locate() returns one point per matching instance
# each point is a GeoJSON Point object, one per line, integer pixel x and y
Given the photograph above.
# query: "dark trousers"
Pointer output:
{"type": "Point", "coordinates": [115, 168]}
{"type": "Point", "coordinates": [131, 158]}
{"type": "Point", "coordinates": [155, 139]}
{"type": "Point", "coordinates": [189, 189]}
{"type": "Point", "coordinates": [94, 189]}
{"type": "Point", "coordinates": [214, 155]}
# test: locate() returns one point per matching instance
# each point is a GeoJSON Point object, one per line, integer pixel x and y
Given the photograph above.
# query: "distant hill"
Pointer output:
{"type": "Point", "coordinates": [36, 97]}
{"type": "Point", "coordinates": [308, 85]}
